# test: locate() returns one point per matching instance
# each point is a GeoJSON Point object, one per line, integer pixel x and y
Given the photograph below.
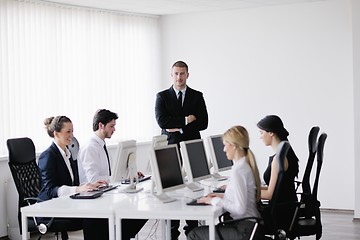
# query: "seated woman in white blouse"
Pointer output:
{"type": "Point", "coordinates": [242, 193]}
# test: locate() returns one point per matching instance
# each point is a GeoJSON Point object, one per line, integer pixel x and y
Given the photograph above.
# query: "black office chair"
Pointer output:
{"type": "Point", "coordinates": [312, 146]}
{"type": "Point", "coordinates": [308, 220]}
{"type": "Point", "coordinates": [253, 228]}
{"type": "Point", "coordinates": [25, 172]}
{"type": "Point", "coordinates": [277, 222]}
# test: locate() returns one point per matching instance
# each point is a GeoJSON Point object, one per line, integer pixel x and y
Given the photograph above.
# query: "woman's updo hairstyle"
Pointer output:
{"type": "Point", "coordinates": [53, 124]}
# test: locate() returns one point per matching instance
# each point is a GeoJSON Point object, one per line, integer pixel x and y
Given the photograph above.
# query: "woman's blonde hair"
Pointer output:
{"type": "Point", "coordinates": [239, 137]}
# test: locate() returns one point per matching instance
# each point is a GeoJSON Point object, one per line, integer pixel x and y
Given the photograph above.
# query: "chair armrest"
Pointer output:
{"type": "Point", "coordinates": [258, 220]}
{"type": "Point", "coordinates": [32, 200]}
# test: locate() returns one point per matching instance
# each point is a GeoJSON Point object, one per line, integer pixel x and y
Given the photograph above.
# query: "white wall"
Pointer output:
{"type": "Point", "coordinates": [4, 175]}
{"type": "Point", "coordinates": [293, 60]}
{"type": "Point", "coordinates": [356, 52]}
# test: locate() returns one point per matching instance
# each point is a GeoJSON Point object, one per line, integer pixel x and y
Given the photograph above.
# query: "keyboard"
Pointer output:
{"type": "Point", "coordinates": [219, 190]}
{"type": "Point", "coordinates": [195, 203]}
{"type": "Point", "coordinates": [141, 179]}
{"type": "Point", "coordinates": [107, 188]}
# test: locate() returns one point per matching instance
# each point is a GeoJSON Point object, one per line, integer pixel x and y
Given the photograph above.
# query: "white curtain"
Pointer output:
{"type": "Point", "coordinates": [65, 60]}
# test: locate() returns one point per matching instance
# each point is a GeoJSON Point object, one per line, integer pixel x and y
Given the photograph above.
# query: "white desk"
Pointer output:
{"type": "Point", "coordinates": [116, 205]}
{"type": "Point", "coordinates": [102, 207]}
{"type": "Point", "coordinates": [149, 207]}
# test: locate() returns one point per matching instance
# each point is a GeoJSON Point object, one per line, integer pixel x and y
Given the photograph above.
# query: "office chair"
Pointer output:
{"type": "Point", "coordinates": [308, 220]}
{"type": "Point", "coordinates": [254, 232]}
{"type": "Point", "coordinates": [277, 222]}
{"type": "Point", "coordinates": [312, 146]}
{"type": "Point", "coordinates": [25, 172]}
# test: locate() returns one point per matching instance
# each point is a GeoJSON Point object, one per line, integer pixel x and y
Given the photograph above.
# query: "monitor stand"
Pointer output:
{"type": "Point", "coordinates": [219, 177]}
{"type": "Point", "coordinates": [132, 188]}
{"type": "Point", "coordinates": [164, 198]}
{"type": "Point", "coordinates": [193, 186]}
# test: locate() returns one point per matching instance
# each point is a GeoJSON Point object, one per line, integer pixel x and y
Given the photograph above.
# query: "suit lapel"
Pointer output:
{"type": "Point", "coordinates": [60, 160]}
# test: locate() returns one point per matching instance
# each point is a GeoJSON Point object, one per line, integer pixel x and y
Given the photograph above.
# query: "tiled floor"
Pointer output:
{"type": "Point", "coordinates": [337, 225]}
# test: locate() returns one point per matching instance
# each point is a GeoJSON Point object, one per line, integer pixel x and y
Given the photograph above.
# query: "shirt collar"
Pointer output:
{"type": "Point", "coordinates": [240, 161]}
{"type": "Point", "coordinates": [177, 91]}
{"type": "Point", "coordinates": [66, 154]}
{"type": "Point", "coordinates": [99, 140]}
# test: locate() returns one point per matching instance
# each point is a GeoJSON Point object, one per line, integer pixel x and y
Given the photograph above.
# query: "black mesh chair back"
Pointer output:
{"type": "Point", "coordinates": [25, 172]}
{"type": "Point", "coordinates": [312, 146]}
{"type": "Point", "coordinates": [309, 222]}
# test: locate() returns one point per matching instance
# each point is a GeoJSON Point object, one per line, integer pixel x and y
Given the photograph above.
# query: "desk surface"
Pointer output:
{"type": "Point", "coordinates": [128, 205]}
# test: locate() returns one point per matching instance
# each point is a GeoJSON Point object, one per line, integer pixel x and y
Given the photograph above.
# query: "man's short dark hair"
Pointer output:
{"type": "Point", "coordinates": [181, 64]}
{"type": "Point", "coordinates": [103, 116]}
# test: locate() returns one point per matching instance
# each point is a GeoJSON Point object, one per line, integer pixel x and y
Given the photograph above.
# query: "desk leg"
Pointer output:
{"type": "Point", "coordinates": [111, 228]}
{"type": "Point", "coordinates": [118, 229]}
{"type": "Point", "coordinates": [24, 226]}
{"type": "Point", "coordinates": [168, 229]}
{"type": "Point", "coordinates": [212, 229]}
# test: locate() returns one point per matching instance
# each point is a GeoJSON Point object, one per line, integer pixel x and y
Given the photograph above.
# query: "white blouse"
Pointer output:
{"type": "Point", "coordinates": [240, 194]}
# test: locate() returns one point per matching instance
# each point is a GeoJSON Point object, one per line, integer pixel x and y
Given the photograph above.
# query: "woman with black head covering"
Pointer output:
{"type": "Point", "coordinates": [272, 132]}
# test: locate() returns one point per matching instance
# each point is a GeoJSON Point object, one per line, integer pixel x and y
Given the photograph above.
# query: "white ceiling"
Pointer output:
{"type": "Point", "coordinates": [167, 7]}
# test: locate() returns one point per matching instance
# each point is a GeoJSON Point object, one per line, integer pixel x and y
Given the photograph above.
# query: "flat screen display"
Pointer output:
{"type": "Point", "coordinates": [197, 159]}
{"type": "Point", "coordinates": [169, 167]}
{"type": "Point", "coordinates": [220, 155]}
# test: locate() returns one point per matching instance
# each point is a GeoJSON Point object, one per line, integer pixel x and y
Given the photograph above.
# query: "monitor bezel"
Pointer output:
{"type": "Point", "coordinates": [120, 166]}
{"type": "Point", "coordinates": [156, 173]}
{"type": "Point", "coordinates": [213, 157]}
{"type": "Point", "coordinates": [187, 162]}
{"type": "Point", "coordinates": [159, 140]}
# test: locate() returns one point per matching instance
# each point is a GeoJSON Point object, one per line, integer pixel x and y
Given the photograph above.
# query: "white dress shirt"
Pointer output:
{"type": "Point", "coordinates": [93, 162]}
{"type": "Point", "coordinates": [240, 194]}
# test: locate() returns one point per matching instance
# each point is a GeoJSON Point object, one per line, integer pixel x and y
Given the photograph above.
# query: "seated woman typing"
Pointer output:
{"type": "Point", "coordinates": [242, 194]}
{"type": "Point", "coordinates": [272, 132]}
{"type": "Point", "coordinates": [58, 172]}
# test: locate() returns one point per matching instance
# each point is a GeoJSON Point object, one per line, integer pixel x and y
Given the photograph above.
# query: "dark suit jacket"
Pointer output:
{"type": "Point", "coordinates": [168, 115]}
{"type": "Point", "coordinates": [54, 173]}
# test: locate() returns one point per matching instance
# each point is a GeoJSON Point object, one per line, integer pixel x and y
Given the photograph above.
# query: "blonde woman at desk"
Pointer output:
{"type": "Point", "coordinates": [242, 193]}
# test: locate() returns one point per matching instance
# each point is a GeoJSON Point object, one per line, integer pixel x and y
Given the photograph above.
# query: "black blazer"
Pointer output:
{"type": "Point", "coordinates": [54, 173]}
{"type": "Point", "coordinates": [168, 115]}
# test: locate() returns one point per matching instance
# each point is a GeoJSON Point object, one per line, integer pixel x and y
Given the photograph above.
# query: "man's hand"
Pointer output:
{"type": "Point", "coordinates": [190, 118]}
{"type": "Point", "coordinates": [173, 130]}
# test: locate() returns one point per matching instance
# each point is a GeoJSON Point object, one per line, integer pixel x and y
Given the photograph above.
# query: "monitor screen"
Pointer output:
{"type": "Point", "coordinates": [195, 160]}
{"type": "Point", "coordinates": [125, 153]}
{"type": "Point", "coordinates": [166, 169]}
{"type": "Point", "coordinates": [218, 156]}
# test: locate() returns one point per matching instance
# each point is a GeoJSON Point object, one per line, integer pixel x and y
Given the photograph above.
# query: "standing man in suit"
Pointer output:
{"type": "Point", "coordinates": [181, 114]}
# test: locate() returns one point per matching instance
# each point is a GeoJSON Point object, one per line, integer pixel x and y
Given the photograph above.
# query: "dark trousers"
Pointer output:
{"type": "Point", "coordinates": [241, 230]}
{"type": "Point", "coordinates": [97, 228]}
{"type": "Point", "coordinates": [175, 224]}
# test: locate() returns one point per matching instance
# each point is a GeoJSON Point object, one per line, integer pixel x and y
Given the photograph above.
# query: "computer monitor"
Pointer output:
{"type": "Point", "coordinates": [218, 156]}
{"type": "Point", "coordinates": [166, 171]}
{"type": "Point", "coordinates": [159, 140]}
{"type": "Point", "coordinates": [124, 165]}
{"type": "Point", "coordinates": [195, 162]}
